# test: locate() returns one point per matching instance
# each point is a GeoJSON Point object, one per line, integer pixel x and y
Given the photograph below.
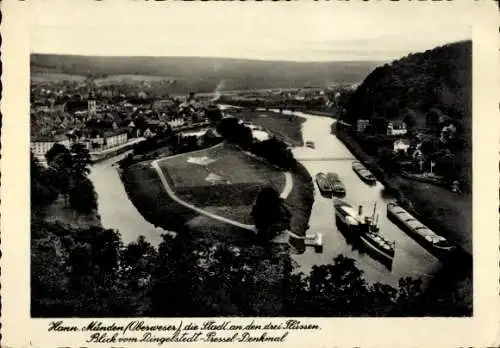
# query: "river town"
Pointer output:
{"type": "Point", "coordinates": [129, 124]}
{"type": "Point", "coordinates": [330, 154]}
{"type": "Point", "coordinates": [130, 138]}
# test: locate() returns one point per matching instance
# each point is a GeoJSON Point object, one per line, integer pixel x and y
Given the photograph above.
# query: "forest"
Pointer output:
{"type": "Point", "coordinates": [431, 92]}
{"type": "Point", "coordinates": [438, 80]}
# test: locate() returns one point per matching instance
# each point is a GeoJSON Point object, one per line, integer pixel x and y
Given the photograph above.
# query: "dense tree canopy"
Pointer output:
{"type": "Point", "coordinates": [66, 175]}
{"type": "Point", "coordinates": [88, 272]}
{"type": "Point", "coordinates": [432, 93]}
{"type": "Point", "coordinates": [434, 82]}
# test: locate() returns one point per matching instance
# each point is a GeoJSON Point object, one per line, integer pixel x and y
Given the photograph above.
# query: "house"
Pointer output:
{"type": "Point", "coordinates": [447, 133]}
{"type": "Point", "coordinates": [197, 134]}
{"type": "Point", "coordinates": [361, 125]}
{"type": "Point", "coordinates": [116, 138]}
{"type": "Point", "coordinates": [418, 154]}
{"type": "Point", "coordinates": [148, 133]}
{"type": "Point", "coordinates": [401, 145]}
{"type": "Point", "coordinates": [175, 123]}
{"type": "Point", "coordinates": [260, 135]}
{"type": "Point", "coordinates": [42, 144]}
{"type": "Point", "coordinates": [396, 128]}
{"type": "Point", "coordinates": [99, 140]}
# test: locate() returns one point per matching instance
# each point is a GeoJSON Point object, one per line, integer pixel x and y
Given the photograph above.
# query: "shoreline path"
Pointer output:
{"type": "Point", "coordinates": [284, 194]}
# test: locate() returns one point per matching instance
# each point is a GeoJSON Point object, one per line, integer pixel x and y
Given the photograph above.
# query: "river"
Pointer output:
{"type": "Point", "coordinates": [410, 258]}
{"type": "Point", "coordinates": [117, 211]}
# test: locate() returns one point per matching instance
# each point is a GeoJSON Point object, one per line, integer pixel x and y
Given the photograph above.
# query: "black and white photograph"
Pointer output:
{"type": "Point", "coordinates": [265, 160]}
{"type": "Point", "coordinates": [203, 176]}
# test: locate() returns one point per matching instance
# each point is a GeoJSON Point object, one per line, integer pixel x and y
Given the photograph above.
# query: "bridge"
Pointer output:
{"type": "Point", "coordinates": [317, 159]}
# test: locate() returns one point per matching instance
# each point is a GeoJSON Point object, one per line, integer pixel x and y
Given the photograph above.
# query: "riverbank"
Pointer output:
{"type": "Point", "coordinates": [286, 127]}
{"type": "Point", "coordinates": [147, 192]}
{"type": "Point", "coordinates": [441, 210]}
{"type": "Point", "coordinates": [330, 114]}
{"type": "Point", "coordinates": [223, 178]}
{"type": "Point", "coordinates": [97, 156]}
{"type": "Point", "coordinates": [59, 213]}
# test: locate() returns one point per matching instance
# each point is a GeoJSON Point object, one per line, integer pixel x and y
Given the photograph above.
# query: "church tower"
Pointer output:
{"type": "Point", "coordinates": [91, 104]}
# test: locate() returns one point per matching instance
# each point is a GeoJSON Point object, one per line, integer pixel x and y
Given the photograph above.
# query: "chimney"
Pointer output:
{"type": "Point", "coordinates": [360, 210]}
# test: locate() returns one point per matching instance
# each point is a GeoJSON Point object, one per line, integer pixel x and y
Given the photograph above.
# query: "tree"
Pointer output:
{"type": "Point", "coordinates": [336, 289]}
{"type": "Point", "coordinates": [58, 152]}
{"type": "Point", "coordinates": [81, 160]}
{"type": "Point", "coordinates": [269, 213]}
{"type": "Point", "coordinates": [209, 138]}
{"type": "Point", "coordinates": [408, 296]}
{"type": "Point", "coordinates": [48, 287]}
{"type": "Point", "coordinates": [432, 117]}
{"type": "Point", "coordinates": [244, 136]}
{"type": "Point", "coordinates": [387, 161]}
{"type": "Point", "coordinates": [214, 115]}
{"type": "Point", "coordinates": [429, 146]}
{"type": "Point", "coordinates": [93, 269]}
{"type": "Point", "coordinates": [82, 196]}
{"type": "Point", "coordinates": [410, 118]}
{"type": "Point", "coordinates": [212, 278]}
{"type": "Point", "coordinates": [448, 167]}
{"type": "Point", "coordinates": [43, 192]}
{"type": "Point", "coordinates": [227, 127]}
{"type": "Point", "coordinates": [60, 163]}
{"type": "Point", "coordinates": [276, 152]}
{"type": "Point", "coordinates": [137, 262]}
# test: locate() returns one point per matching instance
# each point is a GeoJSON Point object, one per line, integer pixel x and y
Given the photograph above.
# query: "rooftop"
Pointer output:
{"type": "Point", "coordinates": [49, 138]}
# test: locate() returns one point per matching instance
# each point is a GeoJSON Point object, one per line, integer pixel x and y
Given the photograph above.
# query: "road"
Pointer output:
{"type": "Point", "coordinates": [284, 194]}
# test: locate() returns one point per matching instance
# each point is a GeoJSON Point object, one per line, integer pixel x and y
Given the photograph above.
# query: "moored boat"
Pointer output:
{"type": "Point", "coordinates": [323, 184]}
{"type": "Point", "coordinates": [337, 185]}
{"type": "Point", "coordinates": [363, 173]}
{"type": "Point", "coordinates": [364, 229]}
{"type": "Point", "coordinates": [417, 230]}
{"type": "Point", "coordinates": [310, 144]}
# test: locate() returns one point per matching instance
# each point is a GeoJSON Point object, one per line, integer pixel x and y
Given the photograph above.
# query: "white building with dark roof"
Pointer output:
{"type": "Point", "coordinates": [40, 145]}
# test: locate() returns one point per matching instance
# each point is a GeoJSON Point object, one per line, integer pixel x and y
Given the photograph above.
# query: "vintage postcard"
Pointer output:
{"type": "Point", "coordinates": [278, 173]}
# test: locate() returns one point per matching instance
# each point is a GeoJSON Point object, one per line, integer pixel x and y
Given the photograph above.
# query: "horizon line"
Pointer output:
{"type": "Point", "coordinates": [374, 60]}
{"type": "Point", "coordinates": [216, 57]}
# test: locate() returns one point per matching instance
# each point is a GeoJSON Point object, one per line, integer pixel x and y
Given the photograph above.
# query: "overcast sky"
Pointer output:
{"type": "Point", "coordinates": [301, 31]}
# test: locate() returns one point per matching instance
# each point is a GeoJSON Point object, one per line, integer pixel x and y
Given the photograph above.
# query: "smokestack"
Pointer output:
{"type": "Point", "coordinates": [217, 90]}
{"type": "Point", "coordinates": [360, 210]}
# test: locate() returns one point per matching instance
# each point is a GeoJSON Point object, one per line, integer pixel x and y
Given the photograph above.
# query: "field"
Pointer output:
{"type": "Point", "coordinates": [285, 126]}
{"type": "Point", "coordinates": [221, 179]}
{"type": "Point", "coordinates": [55, 77]}
{"type": "Point", "coordinates": [130, 78]}
{"type": "Point", "coordinates": [200, 74]}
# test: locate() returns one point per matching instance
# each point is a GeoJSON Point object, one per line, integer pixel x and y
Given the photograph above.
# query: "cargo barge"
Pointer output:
{"type": "Point", "coordinates": [363, 173]}
{"type": "Point", "coordinates": [338, 188]}
{"type": "Point", "coordinates": [418, 231]}
{"type": "Point", "coordinates": [323, 184]}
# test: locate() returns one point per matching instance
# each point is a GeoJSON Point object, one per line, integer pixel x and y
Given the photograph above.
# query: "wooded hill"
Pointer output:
{"type": "Point", "coordinates": [429, 91]}
{"type": "Point", "coordinates": [209, 72]}
{"type": "Point", "coordinates": [437, 81]}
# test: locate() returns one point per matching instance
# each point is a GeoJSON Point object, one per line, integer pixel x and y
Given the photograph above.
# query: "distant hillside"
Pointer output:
{"type": "Point", "coordinates": [436, 82]}
{"type": "Point", "coordinates": [208, 73]}
{"type": "Point", "coordinates": [431, 91]}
